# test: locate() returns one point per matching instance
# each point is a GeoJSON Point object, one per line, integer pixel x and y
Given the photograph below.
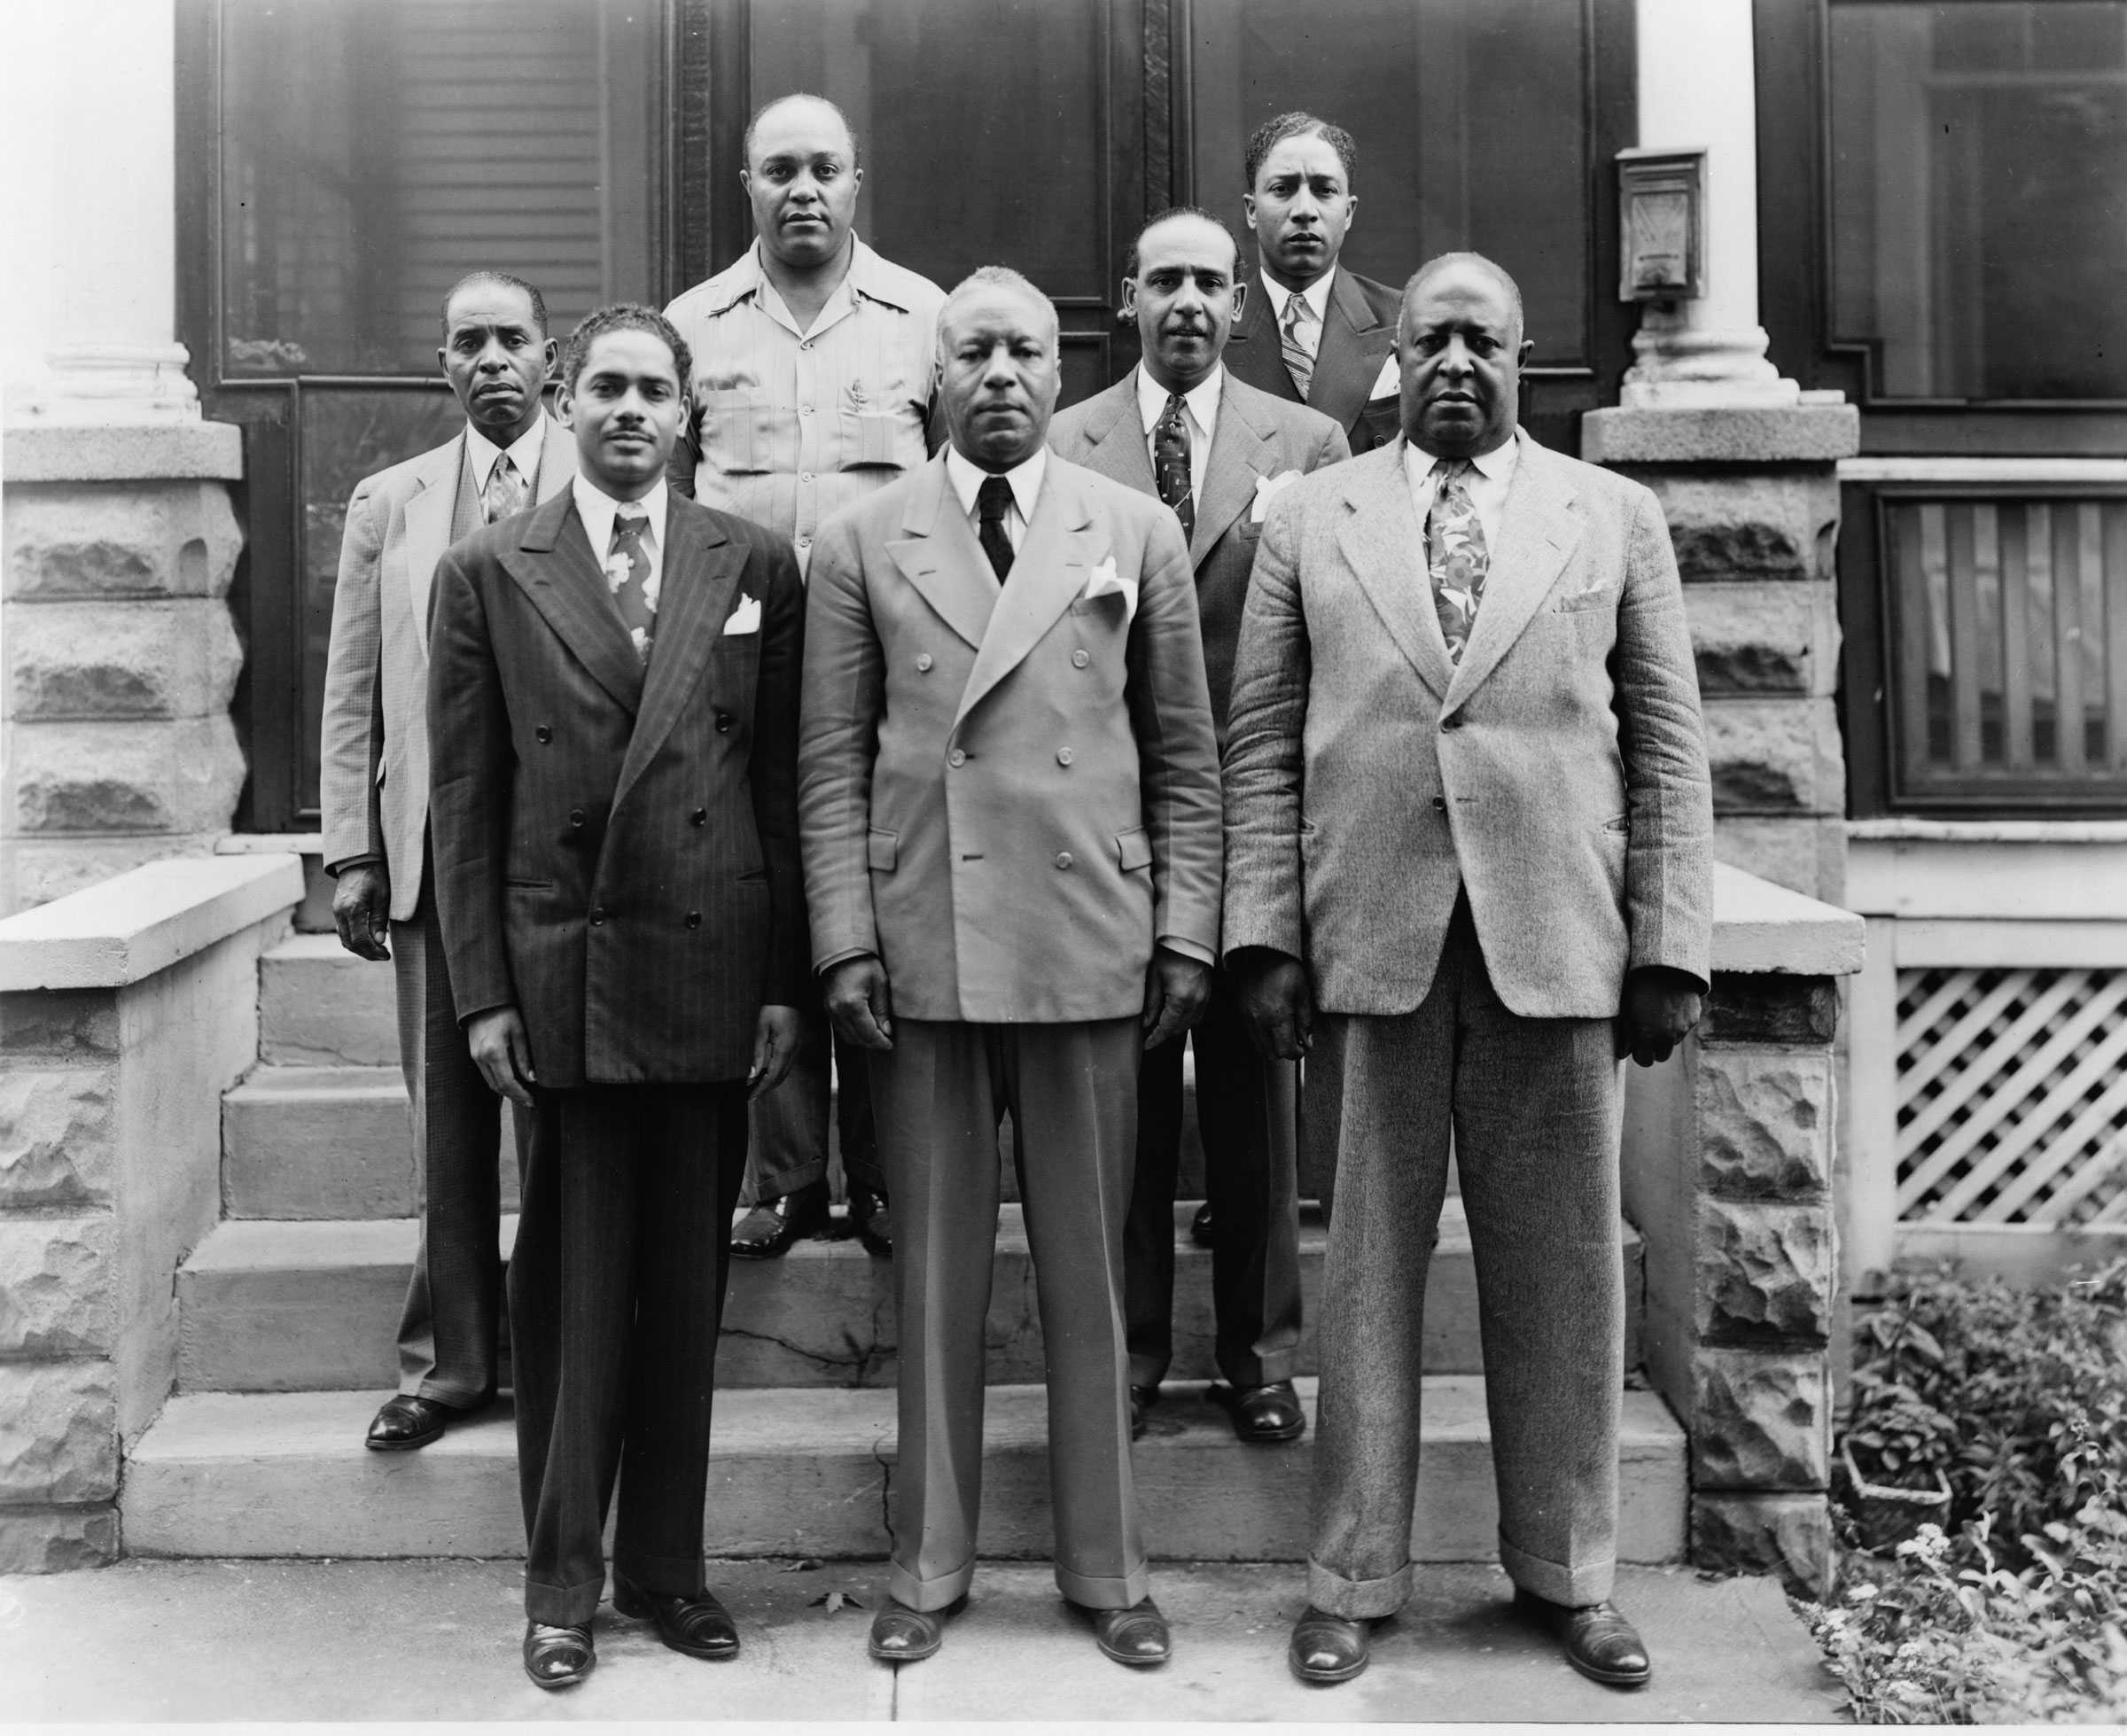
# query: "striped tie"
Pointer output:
{"type": "Point", "coordinates": [1299, 355]}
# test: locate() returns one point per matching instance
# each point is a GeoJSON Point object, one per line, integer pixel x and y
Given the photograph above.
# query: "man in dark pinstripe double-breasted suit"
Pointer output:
{"type": "Point", "coordinates": [614, 719]}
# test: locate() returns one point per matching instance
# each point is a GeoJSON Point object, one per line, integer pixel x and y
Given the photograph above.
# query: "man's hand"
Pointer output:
{"type": "Point", "coordinates": [362, 910]}
{"type": "Point", "coordinates": [1661, 1007]}
{"type": "Point", "coordinates": [1176, 988]}
{"type": "Point", "coordinates": [502, 1053]}
{"type": "Point", "coordinates": [1277, 999]}
{"type": "Point", "coordinates": [776, 1034]}
{"type": "Point", "coordinates": [859, 1002]}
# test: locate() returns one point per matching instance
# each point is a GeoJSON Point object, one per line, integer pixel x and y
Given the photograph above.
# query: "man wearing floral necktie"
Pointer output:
{"type": "Point", "coordinates": [373, 789]}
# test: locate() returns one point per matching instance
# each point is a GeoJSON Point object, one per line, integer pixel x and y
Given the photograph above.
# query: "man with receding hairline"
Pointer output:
{"type": "Point", "coordinates": [373, 793]}
{"type": "Point", "coordinates": [1468, 870]}
{"type": "Point", "coordinates": [814, 386]}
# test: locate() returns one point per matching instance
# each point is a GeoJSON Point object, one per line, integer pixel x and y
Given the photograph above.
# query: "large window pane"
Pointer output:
{"type": "Point", "coordinates": [1979, 183]}
{"type": "Point", "coordinates": [1470, 117]}
{"type": "Point", "coordinates": [375, 150]}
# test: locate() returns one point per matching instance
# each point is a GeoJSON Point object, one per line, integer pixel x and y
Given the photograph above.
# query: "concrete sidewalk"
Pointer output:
{"type": "Point", "coordinates": [410, 1640]}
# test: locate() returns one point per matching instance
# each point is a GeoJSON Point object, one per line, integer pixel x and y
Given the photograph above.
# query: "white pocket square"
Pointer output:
{"type": "Point", "coordinates": [1388, 383]}
{"type": "Point", "coordinates": [745, 618]}
{"type": "Point", "coordinates": [1267, 489]}
{"type": "Point", "coordinates": [1106, 582]}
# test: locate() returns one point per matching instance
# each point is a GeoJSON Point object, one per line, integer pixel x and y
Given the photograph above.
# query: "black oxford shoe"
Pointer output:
{"type": "Point", "coordinates": [903, 1635]}
{"type": "Point", "coordinates": [1136, 1636]}
{"type": "Point", "coordinates": [407, 1420]}
{"type": "Point", "coordinates": [698, 1625]}
{"type": "Point", "coordinates": [869, 1218]}
{"type": "Point", "coordinates": [1328, 1648]}
{"type": "Point", "coordinates": [1264, 1415]}
{"type": "Point", "coordinates": [1142, 1400]}
{"type": "Point", "coordinates": [1597, 1640]}
{"type": "Point", "coordinates": [767, 1232]}
{"type": "Point", "coordinates": [557, 1657]}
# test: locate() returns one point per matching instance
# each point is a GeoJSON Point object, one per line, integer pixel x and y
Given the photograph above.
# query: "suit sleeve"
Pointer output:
{"type": "Point", "coordinates": [845, 696]}
{"type": "Point", "coordinates": [1264, 760]}
{"type": "Point", "coordinates": [1177, 749]}
{"type": "Point", "coordinates": [471, 763]}
{"type": "Point", "coordinates": [1669, 792]}
{"type": "Point", "coordinates": [1334, 449]}
{"type": "Point", "coordinates": [773, 773]}
{"type": "Point", "coordinates": [352, 731]}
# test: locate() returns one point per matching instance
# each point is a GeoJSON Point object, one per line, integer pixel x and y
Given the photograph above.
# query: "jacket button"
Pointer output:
{"type": "Point", "coordinates": [544, 734]}
{"type": "Point", "coordinates": [599, 917]}
{"type": "Point", "coordinates": [694, 919]}
{"type": "Point", "coordinates": [1079, 659]}
{"type": "Point", "coordinates": [699, 817]}
{"type": "Point", "coordinates": [723, 723]}
{"type": "Point", "coordinates": [1439, 804]}
{"type": "Point", "coordinates": [957, 758]}
{"type": "Point", "coordinates": [1063, 756]}
{"type": "Point", "coordinates": [576, 816]}
{"type": "Point", "coordinates": [922, 663]}
{"type": "Point", "coordinates": [1064, 859]}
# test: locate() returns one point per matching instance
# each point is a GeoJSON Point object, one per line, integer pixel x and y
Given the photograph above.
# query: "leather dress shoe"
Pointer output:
{"type": "Point", "coordinates": [406, 1421]}
{"type": "Point", "coordinates": [1264, 1415]}
{"type": "Point", "coordinates": [903, 1635]}
{"type": "Point", "coordinates": [1599, 1642]}
{"type": "Point", "coordinates": [874, 1224]}
{"type": "Point", "coordinates": [698, 1625]}
{"type": "Point", "coordinates": [1136, 1636]}
{"type": "Point", "coordinates": [1200, 1226]}
{"type": "Point", "coordinates": [767, 1232]}
{"type": "Point", "coordinates": [1328, 1648]}
{"type": "Point", "coordinates": [1142, 1400]}
{"type": "Point", "coordinates": [559, 1657]}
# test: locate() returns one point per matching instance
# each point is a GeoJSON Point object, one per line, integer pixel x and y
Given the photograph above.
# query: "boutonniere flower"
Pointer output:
{"type": "Point", "coordinates": [1106, 582]}
{"type": "Point", "coordinates": [1266, 490]}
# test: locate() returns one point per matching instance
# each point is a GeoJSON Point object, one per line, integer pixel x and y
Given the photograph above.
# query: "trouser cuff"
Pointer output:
{"type": "Point", "coordinates": [1104, 1591]}
{"type": "Point", "coordinates": [1259, 1371]}
{"type": "Point", "coordinates": [928, 1594]}
{"type": "Point", "coordinates": [460, 1397]}
{"type": "Point", "coordinates": [1147, 1371]}
{"type": "Point", "coordinates": [1589, 1581]}
{"type": "Point", "coordinates": [669, 1575]}
{"type": "Point", "coordinates": [767, 1186]}
{"type": "Point", "coordinates": [1357, 1599]}
{"type": "Point", "coordinates": [563, 1606]}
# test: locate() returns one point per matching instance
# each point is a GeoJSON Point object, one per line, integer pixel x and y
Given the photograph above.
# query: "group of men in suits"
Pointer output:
{"type": "Point", "coordinates": [918, 721]}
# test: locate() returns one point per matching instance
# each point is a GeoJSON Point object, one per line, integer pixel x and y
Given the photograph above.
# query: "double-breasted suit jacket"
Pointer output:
{"type": "Point", "coordinates": [617, 844]}
{"type": "Point", "coordinates": [1359, 334]}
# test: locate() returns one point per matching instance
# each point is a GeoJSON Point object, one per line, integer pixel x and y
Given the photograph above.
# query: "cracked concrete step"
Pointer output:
{"type": "Point", "coordinates": [285, 1307]}
{"type": "Point", "coordinates": [804, 1473]}
{"type": "Point", "coordinates": [320, 1006]}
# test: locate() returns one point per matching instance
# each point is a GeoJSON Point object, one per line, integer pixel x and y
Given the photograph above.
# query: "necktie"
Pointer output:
{"type": "Point", "coordinates": [505, 491]}
{"type": "Point", "coordinates": [1171, 446]}
{"type": "Point", "coordinates": [1299, 355]}
{"type": "Point", "coordinates": [991, 499]}
{"type": "Point", "coordinates": [626, 575]}
{"type": "Point", "coordinates": [1456, 555]}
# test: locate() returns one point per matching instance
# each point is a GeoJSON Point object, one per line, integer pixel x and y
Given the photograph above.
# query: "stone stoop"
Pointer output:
{"type": "Point", "coordinates": [806, 1472]}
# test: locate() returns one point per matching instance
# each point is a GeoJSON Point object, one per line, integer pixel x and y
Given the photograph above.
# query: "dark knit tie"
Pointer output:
{"type": "Point", "coordinates": [991, 499]}
{"type": "Point", "coordinates": [1171, 446]}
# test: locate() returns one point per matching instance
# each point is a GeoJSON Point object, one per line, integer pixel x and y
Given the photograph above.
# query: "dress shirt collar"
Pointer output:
{"type": "Point", "coordinates": [524, 453]}
{"type": "Point", "coordinates": [598, 510]}
{"type": "Point", "coordinates": [1316, 295]}
{"type": "Point", "coordinates": [865, 277]}
{"type": "Point", "coordinates": [1496, 466]}
{"type": "Point", "coordinates": [1201, 401]}
{"type": "Point", "coordinates": [968, 477]}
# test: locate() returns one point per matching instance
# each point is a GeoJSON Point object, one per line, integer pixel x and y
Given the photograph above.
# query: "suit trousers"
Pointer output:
{"type": "Point", "coordinates": [790, 1125]}
{"type": "Point", "coordinates": [1071, 1090]}
{"type": "Point", "coordinates": [1533, 1107]}
{"type": "Point", "coordinates": [448, 1326]}
{"type": "Point", "coordinates": [616, 1294]}
{"type": "Point", "coordinates": [1247, 1111]}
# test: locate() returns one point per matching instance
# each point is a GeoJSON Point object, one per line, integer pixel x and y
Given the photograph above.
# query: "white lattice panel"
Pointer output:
{"type": "Point", "coordinates": [2013, 1096]}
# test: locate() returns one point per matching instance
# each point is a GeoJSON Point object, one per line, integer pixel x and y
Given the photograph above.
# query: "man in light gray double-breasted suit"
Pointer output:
{"type": "Point", "coordinates": [1467, 830]}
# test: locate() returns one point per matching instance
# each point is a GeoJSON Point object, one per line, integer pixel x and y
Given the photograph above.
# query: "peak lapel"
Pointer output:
{"type": "Point", "coordinates": [1117, 439]}
{"type": "Point", "coordinates": [1240, 454]}
{"type": "Point", "coordinates": [1050, 569]}
{"type": "Point", "coordinates": [1385, 545]}
{"type": "Point", "coordinates": [428, 518]}
{"type": "Point", "coordinates": [557, 460]}
{"type": "Point", "coordinates": [701, 573]}
{"type": "Point", "coordinates": [1537, 530]}
{"type": "Point", "coordinates": [949, 570]}
{"type": "Point", "coordinates": [1353, 345]}
{"type": "Point", "coordinates": [552, 565]}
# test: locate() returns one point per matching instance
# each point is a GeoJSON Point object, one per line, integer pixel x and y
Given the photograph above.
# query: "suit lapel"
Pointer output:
{"type": "Point", "coordinates": [1353, 345]}
{"type": "Point", "coordinates": [428, 527]}
{"type": "Point", "coordinates": [1537, 530]}
{"type": "Point", "coordinates": [950, 573]}
{"type": "Point", "coordinates": [552, 565]}
{"type": "Point", "coordinates": [1385, 546]}
{"type": "Point", "coordinates": [557, 460]}
{"type": "Point", "coordinates": [1240, 454]}
{"type": "Point", "coordinates": [1258, 327]}
{"type": "Point", "coordinates": [702, 567]}
{"type": "Point", "coordinates": [1116, 434]}
{"type": "Point", "coordinates": [1049, 569]}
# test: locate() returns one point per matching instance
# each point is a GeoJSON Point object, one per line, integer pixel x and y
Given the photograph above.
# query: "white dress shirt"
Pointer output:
{"type": "Point", "coordinates": [598, 511]}
{"type": "Point", "coordinates": [1490, 476]}
{"type": "Point", "coordinates": [1199, 410]}
{"type": "Point", "coordinates": [524, 452]}
{"type": "Point", "coordinates": [967, 479]}
{"type": "Point", "coordinates": [1316, 295]}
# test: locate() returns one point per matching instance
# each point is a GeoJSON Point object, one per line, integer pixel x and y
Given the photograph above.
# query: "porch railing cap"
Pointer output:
{"type": "Point", "coordinates": [1761, 928]}
{"type": "Point", "coordinates": [134, 924]}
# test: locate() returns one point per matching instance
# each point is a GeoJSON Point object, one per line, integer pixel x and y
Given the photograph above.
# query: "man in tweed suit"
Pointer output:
{"type": "Point", "coordinates": [1468, 821]}
{"type": "Point", "coordinates": [373, 789]}
{"type": "Point", "coordinates": [613, 695]}
{"type": "Point", "coordinates": [1216, 450]}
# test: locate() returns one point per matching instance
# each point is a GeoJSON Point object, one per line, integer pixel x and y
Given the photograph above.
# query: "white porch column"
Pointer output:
{"type": "Point", "coordinates": [1697, 88]}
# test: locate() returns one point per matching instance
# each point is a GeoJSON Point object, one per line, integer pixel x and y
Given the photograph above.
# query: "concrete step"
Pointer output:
{"type": "Point", "coordinates": [805, 1473]}
{"type": "Point", "coordinates": [320, 1006]}
{"type": "Point", "coordinates": [289, 1307]}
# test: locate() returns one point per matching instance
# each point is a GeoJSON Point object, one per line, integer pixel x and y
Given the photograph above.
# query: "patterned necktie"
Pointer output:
{"type": "Point", "coordinates": [991, 499]}
{"type": "Point", "coordinates": [628, 576]}
{"type": "Point", "coordinates": [505, 491]}
{"type": "Point", "coordinates": [1456, 554]}
{"type": "Point", "coordinates": [1171, 444]}
{"type": "Point", "coordinates": [1299, 359]}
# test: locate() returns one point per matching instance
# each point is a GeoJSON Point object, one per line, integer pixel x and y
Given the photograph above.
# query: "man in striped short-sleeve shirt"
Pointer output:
{"type": "Point", "coordinates": [815, 372]}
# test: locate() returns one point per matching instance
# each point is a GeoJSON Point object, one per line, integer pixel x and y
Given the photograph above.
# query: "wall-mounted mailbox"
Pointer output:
{"type": "Point", "coordinates": [1661, 211]}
